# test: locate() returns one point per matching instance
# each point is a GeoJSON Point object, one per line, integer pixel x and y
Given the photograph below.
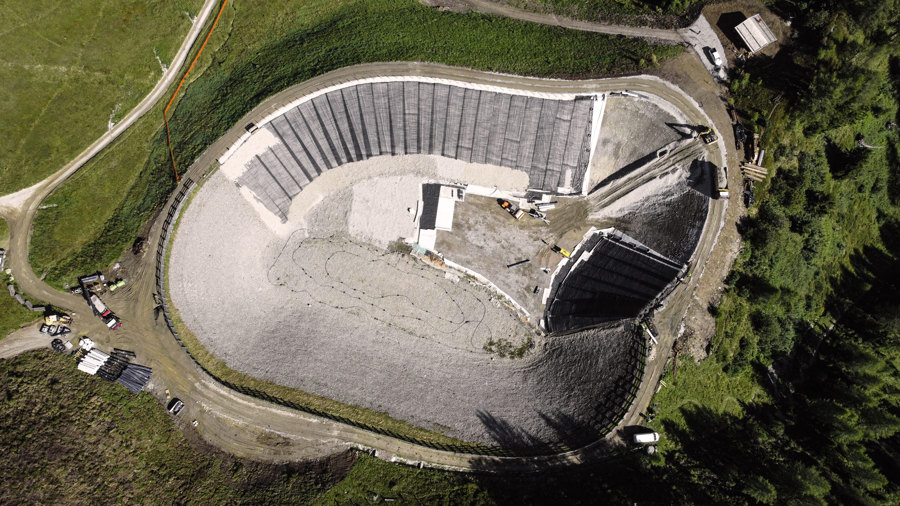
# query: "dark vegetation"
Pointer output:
{"type": "Point", "coordinates": [71, 438]}
{"type": "Point", "coordinates": [258, 52]}
{"type": "Point", "coordinates": [811, 310]}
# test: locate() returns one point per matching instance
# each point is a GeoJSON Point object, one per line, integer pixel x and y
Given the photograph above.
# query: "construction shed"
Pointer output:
{"type": "Point", "coordinates": [755, 33]}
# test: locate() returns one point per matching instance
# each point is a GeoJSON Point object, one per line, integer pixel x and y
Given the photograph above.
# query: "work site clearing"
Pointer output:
{"type": "Point", "coordinates": [420, 284]}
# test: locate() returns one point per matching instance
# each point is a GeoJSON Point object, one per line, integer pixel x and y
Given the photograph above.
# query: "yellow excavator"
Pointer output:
{"type": "Point", "coordinates": [707, 134]}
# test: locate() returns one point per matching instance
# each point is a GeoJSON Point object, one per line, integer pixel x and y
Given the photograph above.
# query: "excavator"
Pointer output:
{"type": "Point", "coordinates": [707, 134]}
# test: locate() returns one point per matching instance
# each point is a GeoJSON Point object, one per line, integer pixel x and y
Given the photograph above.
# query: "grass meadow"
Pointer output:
{"type": "Point", "coordinates": [69, 68]}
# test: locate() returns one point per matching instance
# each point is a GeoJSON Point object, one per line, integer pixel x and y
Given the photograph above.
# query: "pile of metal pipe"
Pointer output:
{"type": "Point", "coordinates": [134, 377]}
{"type": "Point", "coordinates": [116, 367]}
{"type": "Point", "coordinates": [92, 361]}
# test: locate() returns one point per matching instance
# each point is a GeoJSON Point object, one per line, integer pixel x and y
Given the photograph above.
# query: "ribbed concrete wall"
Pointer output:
{"type": "Point", "coordinates": [548, 139]}
{"type": "Point", "coordinates": [618, 280]}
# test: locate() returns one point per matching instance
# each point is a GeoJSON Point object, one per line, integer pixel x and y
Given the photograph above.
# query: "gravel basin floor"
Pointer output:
{"type": "Point", "coordinates": [327, 309]}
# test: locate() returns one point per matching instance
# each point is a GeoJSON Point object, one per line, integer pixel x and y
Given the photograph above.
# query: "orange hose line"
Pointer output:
{"type": "Point", "coordinates": [166, 110]}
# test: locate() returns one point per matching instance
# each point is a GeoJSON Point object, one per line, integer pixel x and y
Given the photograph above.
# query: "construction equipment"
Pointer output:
{"type": "Point", "coordinates": [749, 197]}
{"type": "Point", "coordinates": [561, 251]}
{"type": "Point", "coordinates": [106, 316]}
{"type": "Point", "coordinates": [707, 134]}
{"type": "Point", "coordinates": [56, 319]}
{"type": "Point", "coordinates": [534, 213]}
{"type": "Point", "coordinates": [650, 329]}
{"type": "Point", "coordinates": [511, 208]}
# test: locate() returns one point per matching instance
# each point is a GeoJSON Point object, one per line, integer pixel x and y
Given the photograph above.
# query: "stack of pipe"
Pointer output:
{"type": "Point", "coordinates": [116, 367]}
{"type": "Point", "coordinates": [754, 172]}
{"type": "Point", "coordinates": [113, 367]}
{"type": "Point", "coordinates": [135, 377]}
{"type": "Point", "coordinates": [93, 361]}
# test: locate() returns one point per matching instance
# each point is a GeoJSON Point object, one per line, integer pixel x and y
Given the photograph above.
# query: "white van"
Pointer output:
{"type": "Point", "coordinates": [646, 437]}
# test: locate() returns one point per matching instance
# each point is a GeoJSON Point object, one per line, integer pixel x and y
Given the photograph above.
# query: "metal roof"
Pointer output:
{"type": "Point", "coordinates": [755, 33]}
{"type": "Point", "coordinates": [431, 193]}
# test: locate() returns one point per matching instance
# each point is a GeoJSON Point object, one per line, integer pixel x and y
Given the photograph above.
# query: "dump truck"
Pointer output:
{"type": "Point", "coordinates": [707, 134]}
{"type": "Point", "coordinates": [511, 208]}
{"type": "Point", "coordinates": [99, 307]}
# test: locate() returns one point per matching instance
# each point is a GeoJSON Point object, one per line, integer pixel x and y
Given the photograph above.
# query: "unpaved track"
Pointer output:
{"type": "Point", "coordinates": [608, 194]}
{"type": "Point", "coordinates": [25, 339]}
{"type": "Point", "coordinates": [500, 9]}
{"type": "Point", "coordinates": [302, 435]}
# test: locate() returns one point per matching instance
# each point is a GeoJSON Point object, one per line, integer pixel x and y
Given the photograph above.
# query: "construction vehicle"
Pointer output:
{"type": "Point", "coordinates": [561, 251]}
{"type": "Point", "coordinates": [650, 329]}
{"type": "Point", "coordinates": [646, 437]}
{"type": "Point", "coordinates": [112, 322]}
{"type": "Point", "coordinates": [56, 319]}
{"type": "Point", "coordinates": [99, 307]}
{"type": "Point", "coordinates": [106, 316]}
{"type": "Point", "coordinates": [534, 213]}
{"type": "Point", "coordinates": [707, 134]}
{"type": "Point", "coordinates": [511, 208]}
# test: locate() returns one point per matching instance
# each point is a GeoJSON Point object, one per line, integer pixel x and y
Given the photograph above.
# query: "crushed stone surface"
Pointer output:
{"type": "Point", "coordinates": [667, 214]}
{"type": "Point", "coordinates": [337, 317]}
{"type": "Point", "coordinates": [631, 129]}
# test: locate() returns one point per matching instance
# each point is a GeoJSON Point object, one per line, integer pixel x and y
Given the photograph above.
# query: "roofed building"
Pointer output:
{"type": "Point", "coordinates": [755, 33]}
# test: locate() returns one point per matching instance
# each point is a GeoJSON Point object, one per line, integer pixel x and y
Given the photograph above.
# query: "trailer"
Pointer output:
{"type": "Point", "coordinates": [98, 306]}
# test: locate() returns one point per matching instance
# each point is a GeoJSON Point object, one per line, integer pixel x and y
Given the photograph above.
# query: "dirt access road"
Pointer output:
{"type": "Point", "coordinates": [502, 9]}
{"type": "Point", "coordinates": [257, 429]}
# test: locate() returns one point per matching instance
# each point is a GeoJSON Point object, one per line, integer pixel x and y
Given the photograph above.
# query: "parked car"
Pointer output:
{"type": "Point", "coordinates": [714, 56]}
{"type": "Point", "coordinates": [175, 406]}
{"type": "Point", "coordinates": [646, 437]}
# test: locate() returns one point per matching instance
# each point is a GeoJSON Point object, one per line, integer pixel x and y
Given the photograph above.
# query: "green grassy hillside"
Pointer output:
{"type": "Point", "coordinates": [69, 68]}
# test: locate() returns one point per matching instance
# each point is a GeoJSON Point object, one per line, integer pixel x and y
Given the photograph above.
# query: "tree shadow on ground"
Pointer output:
{"type": "Point", "coordinates": [727, 23]}
{"type": "Point", "coordinates": [713, 455]}
{"type": "Point", "coordinates": [567, 434]}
